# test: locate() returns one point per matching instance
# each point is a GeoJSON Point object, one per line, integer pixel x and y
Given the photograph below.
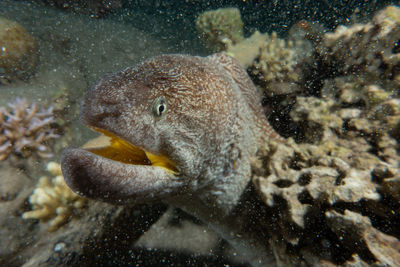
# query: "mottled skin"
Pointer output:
{"type": "Point", "coordinates": [212, 125]}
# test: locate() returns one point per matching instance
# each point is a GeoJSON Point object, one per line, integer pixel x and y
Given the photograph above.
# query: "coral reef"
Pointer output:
{"type": "Point", "coordinates": [371, 48]}
{"type": "Point", "coordinates": [18, 51]}
{"type": "Point", "coordinates": [53, 201]}
{"type": "Point", "coordinates": [333, 197]}
{"type": "Point", "coordinates": [25, 129]}
{"type": "Point", "coordinates": [220, 29]}
{"type": "Point", "coordinates": [330, 195]}
{"type": "Point", "coordinates": [312, 189]}
{"type": "Point", "coordinates": [274, 63]}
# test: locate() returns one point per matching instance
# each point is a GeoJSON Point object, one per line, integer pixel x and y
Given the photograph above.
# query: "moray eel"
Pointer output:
{"type": "Point", "coordinates": [181, 129]}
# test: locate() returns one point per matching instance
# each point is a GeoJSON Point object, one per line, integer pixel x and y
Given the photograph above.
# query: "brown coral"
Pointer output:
{"type": "Point", "coordinates": [18, 51]}
{"type": "Point", "coordinates": [25, 129]}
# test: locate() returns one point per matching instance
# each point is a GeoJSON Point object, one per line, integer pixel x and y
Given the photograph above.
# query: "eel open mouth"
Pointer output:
{"type": "Point", "coordinates": [122, 151]}
{"type": "Point", "coordinates": [119, 172]}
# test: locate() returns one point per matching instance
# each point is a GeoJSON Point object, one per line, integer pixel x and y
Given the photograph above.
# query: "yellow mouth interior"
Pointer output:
{"type": "Point", "coordinates": [115, 148]}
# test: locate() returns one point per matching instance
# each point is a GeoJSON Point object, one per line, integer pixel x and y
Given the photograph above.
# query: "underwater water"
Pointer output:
{"type": "Point", "coordinates": [280, 150]}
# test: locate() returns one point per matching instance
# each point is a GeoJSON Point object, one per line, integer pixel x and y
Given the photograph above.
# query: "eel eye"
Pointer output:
{"type": "Point", "coordinates": [159, 106]}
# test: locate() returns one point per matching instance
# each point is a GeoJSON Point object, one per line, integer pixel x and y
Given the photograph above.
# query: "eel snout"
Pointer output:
{"type": "Point", "coordinates": [112, 181]}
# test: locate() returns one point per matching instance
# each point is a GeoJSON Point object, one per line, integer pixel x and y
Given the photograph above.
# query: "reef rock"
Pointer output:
{"type": "Point", "coordinates": [247, 50]}
{"type": "Point", "coordinates": [333, 195]}
{"type": "Point", "coordinates": [18, 51]}
{"type": "Point", "coordinates": [372, 48]}
{"type": "Point", "coordinates": [311, 189]}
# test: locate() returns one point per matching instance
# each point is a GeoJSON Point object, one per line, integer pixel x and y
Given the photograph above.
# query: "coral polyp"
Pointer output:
{"type": "Point", "coordinates": [26, 128]}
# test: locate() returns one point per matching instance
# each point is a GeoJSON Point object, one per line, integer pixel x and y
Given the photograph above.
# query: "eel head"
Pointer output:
{"type": "Point", "coordinates": [161, 123]}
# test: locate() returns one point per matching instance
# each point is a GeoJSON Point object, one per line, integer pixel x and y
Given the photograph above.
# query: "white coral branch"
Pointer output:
{"type": "Point", "coordinates": [53, 200]}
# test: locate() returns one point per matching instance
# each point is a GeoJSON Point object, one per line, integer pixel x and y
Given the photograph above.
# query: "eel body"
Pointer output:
{"type": "Point", "coordinates": [181, 129]}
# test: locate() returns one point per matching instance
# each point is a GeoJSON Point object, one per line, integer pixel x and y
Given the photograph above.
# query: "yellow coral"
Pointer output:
{"type": "Point", "coordinates": [52, 200]}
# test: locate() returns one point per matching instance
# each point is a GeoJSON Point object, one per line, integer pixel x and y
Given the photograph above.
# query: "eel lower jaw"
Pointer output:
{"type": "Point", "coordinates": [119, 173]}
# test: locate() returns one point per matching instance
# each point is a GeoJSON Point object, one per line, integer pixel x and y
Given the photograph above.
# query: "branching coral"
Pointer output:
{"type": "Point", "coordinates": [276, 62]}
{"type": "Point", "coordinates": [53, 200]}
{"type": "Point", "coordinates": [220, 28]}
{"type": "Point", "coordinates": [269, 59]}
{"type": "Point", "coordinates": [25, 129]}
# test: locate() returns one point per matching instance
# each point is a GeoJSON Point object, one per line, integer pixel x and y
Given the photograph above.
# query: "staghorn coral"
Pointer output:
{"type": "Point", "coordinates": [53, 201]}
{"type": "Point", "coordinates": [18, 51]}
{"type": "Point", "coordinates": [220, 28]}
{"type": "Point", "coordinates": [25, 129]}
